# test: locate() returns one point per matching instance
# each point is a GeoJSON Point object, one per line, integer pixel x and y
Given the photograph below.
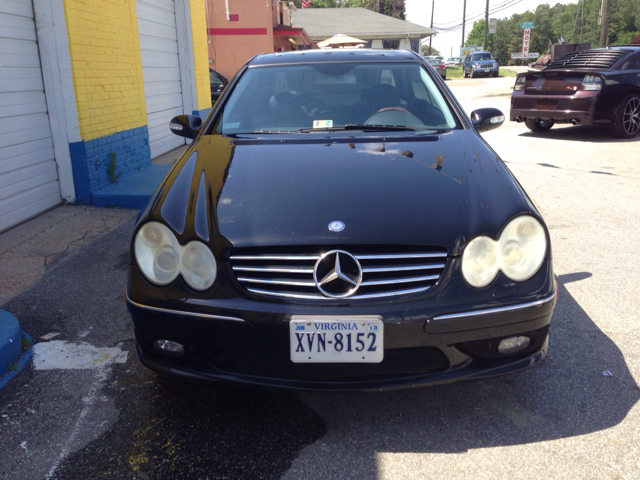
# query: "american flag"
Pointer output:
{"type": "Point", "coordinates": [306, 3]}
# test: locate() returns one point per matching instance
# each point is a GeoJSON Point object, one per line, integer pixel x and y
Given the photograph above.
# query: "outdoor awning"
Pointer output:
{"type": "Point", "coordinates": [293, 35]}
{"type": "Point", "coordinates": [340, 40]}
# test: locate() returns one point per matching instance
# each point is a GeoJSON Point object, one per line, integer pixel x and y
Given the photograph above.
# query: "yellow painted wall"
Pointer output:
{"type": "Point", "coordinates": [200, 52]}
{"type": "Point", "coordinates": [106, 65]}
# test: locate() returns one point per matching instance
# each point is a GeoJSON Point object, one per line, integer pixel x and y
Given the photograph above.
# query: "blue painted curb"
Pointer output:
{"type": "Point", "coordinates": [22, 362]}
{"type": "Point", "coordinates": [133, 190]}
{"type": "Point", "coordinates": [10, 340]}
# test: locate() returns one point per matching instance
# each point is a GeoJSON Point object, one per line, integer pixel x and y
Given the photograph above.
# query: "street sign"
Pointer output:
{"type": "Point", "coordinates": [464, 51]}
{"type": "Point", "coordinates": [492, 25]}
{"type": "Point", "coordinates": [518, 56]}
{"type": "Point", "coordinates": [529, 25]}
{"type": "Point", "coordinates": [525, 42]}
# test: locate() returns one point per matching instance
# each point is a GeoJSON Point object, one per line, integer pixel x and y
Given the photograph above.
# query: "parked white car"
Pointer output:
{"type": "Point", "coordinates": [453, 62]}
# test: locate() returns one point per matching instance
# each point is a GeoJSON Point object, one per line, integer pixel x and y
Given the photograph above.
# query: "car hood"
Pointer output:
{"type": "Point", "coordinates": [483, 63]}
{"type": "Point", "coordinates": [410, 189]}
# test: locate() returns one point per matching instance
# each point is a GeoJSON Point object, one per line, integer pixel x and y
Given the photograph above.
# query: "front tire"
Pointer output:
{"type": "Point", "coordinates": [628, 118]}
{"type": "Point", "coordinates": [495, 74]}
{"type": "Point", "coordinates": [464, 73]}
{"type": "Point", "coordinates": [539, 126]}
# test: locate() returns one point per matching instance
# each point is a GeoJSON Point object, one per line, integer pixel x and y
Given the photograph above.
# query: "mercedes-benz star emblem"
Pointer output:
{"type": "Point", "coordinates": [336, 226]}
{"type": "Point", "coordinates": [337, 274]}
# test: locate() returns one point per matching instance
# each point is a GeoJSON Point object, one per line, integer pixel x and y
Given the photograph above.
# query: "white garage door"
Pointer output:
{"type": "Point", "coordinates": [28, 172]}
{"type": "Point", "coordinates": [160, 71]}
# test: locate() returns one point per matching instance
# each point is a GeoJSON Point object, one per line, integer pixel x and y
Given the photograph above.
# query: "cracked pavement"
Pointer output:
{"type": "Point", "coordinates": [28, 250]}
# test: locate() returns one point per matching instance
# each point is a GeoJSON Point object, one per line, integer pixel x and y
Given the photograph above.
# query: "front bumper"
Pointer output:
{"type": "Point", "coordinates": [252, 347]}
{"type": "Point", "coordinates": [476, 71]}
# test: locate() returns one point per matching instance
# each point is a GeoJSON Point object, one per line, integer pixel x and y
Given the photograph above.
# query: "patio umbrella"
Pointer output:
{"type": "Point", "coordinates": [341, 40]}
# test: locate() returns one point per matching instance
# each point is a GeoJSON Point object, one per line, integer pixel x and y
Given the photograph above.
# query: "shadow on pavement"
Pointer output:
{"type": "Point", "coordinates": [583, 133]}
{"type": "Point", "coordinates": [176, 429]}
{"type": "Point", "coordinates": [565, 396]}
{"type": "Point", "coordinates": [164, 428]}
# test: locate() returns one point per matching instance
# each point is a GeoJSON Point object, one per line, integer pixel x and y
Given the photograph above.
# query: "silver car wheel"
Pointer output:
{"type": "Point", "coordinates": [631, 116]}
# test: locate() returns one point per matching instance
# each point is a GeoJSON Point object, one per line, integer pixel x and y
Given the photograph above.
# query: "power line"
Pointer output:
{"type": "Point", "coordinates": [481, 13]}
{"type": "Point", "coordinates": [455, 28]}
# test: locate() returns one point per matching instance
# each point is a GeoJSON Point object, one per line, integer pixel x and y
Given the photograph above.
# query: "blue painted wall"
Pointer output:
{"type": "Point", "coordinates": [91, 159]}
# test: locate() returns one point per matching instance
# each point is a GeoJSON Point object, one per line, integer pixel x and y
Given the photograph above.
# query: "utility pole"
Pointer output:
{"type": "Point", "coordinates": [604, 24]}
{"type": "Point", "coordinates": [431, 36]}
{"type": "Point", "coordinates": [486, 26]}
{"type": "Point", "coordinates": [464, 13]}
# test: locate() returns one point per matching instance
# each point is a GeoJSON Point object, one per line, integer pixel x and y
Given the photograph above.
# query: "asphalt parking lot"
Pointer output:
{"type": "Point", "coordinates": [109, 417]}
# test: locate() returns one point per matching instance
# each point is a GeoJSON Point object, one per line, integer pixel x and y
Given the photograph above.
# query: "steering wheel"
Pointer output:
{"type": "Point", "coordinates": [394, 116]}
{"type": "Point", "coordinates": [392, 108]}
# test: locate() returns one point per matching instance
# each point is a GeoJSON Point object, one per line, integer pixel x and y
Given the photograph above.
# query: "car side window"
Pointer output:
{"type": "Point", "coordinates": [632, 64]}
{"type": "Point", "coordinates": [215, 79]}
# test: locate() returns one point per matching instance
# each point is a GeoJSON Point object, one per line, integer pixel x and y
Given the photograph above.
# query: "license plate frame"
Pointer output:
{"type": "Point", "coordinates": [355, 331]}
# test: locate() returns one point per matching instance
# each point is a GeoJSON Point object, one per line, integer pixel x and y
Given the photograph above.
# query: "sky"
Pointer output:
{"type": "Point", "coordinates": [448, 13]}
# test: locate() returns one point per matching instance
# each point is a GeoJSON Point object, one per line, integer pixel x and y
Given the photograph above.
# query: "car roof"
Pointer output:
{"type": "Point", "coordinates": [603, 58]}
{"type": "Point", "coordinates": [334, 55]}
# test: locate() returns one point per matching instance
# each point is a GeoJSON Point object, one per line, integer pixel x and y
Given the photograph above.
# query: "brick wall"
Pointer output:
{"type": "Point", "coordinates": [91, 159]}
{"type": "Point", "coordinates": [106, 66]}
{"type": "Point", "coordinates": [107, 79]}
{"type": "Point", "coordinates": [200, 53]}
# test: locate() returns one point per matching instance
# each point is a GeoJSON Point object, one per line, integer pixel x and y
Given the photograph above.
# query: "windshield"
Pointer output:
{"type": "Point", "coordinates": [481, 56]}
{"type": "Point", "coordinates": [333, 95]}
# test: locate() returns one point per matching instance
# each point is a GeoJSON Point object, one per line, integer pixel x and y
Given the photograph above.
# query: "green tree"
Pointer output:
{"type": "Point", "coordinates": [318, 4]}
{"type": "Point", "coordinates": [567, 21]}
{"type": "Point", "coordinates": [425, 50]}
{"type": "Point", "coordinates": [392, 8]}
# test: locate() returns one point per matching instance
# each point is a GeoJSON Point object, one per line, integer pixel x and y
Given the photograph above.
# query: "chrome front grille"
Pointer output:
{"type": "Point", "coordinates": [385, 272]}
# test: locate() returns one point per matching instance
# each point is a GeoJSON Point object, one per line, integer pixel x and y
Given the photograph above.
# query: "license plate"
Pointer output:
{"type": "Point", "coordinates": [336, 339]}
{"type": "Point", "coordinates": [547, 103]}
{"type": "Point", "coordinates": [481, 70]}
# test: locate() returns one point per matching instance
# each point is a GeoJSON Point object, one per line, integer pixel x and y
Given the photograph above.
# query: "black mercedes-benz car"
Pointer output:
{"type": "Point", "coordinates": [590, 87]}
{"type": "Point", "coordinates": [338, 223]}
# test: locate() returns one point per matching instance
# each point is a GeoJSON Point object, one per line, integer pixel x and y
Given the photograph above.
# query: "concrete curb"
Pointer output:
{"type": "Point", "coordinates": [10, 346]}
{"type": "Point", "coordinates": [10, 340]}
{"type": "Point", "coordinates": [22, 362]}
{"type": "Point", "coordinates": [132, 191]}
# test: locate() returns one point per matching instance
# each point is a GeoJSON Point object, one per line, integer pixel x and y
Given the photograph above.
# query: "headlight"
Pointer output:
{"type": "Point", "coordinates": [161, 258]}
{"type": "Point", "coordinates": [518, 253]}
{"type": "Point", "coordinates": [198, 266]}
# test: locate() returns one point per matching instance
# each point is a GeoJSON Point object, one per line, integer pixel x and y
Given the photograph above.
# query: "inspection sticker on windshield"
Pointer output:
{"type": "Point", "coordinates": [322, 123]}
{"type": "Point", "coordinates": [336, 339]}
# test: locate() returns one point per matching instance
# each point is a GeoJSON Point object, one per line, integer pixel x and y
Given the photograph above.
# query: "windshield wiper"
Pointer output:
{"type": "Point", "coordinates": [275, 131]}
{"type": "Point", "coordinates": [361, 126]}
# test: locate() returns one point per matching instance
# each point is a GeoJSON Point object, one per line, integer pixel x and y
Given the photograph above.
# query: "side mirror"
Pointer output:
{"type": "Point", "coordinates": [187, 126]}
{"type": "Point", "coordinates": [225, 80]}
{"type": "Point", "coordinates": [485, 119]}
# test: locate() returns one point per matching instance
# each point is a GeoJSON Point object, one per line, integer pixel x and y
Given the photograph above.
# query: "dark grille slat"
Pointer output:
{"type": "Point", "coordinates": [386, 271]}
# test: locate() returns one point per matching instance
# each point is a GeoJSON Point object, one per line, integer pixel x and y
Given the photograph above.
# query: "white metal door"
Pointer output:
{"type": "Point", "coordinates": [160, 71]}
{"type": "Point", "coordinates": [28, 171]}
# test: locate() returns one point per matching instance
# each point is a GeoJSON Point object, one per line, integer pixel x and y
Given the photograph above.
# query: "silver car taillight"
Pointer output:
{"type": "Point", "coordinates": [591, 82]}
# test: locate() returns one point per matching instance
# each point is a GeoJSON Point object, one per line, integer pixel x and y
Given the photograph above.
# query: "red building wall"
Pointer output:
{"type": "Point", "coordinates": [232, 43]}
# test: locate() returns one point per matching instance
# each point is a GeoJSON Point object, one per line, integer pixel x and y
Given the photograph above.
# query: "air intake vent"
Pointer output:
{"type": "Point", "coordinates": [386, 271]}
{"type": "Point", "coordinates": [597, 59]}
